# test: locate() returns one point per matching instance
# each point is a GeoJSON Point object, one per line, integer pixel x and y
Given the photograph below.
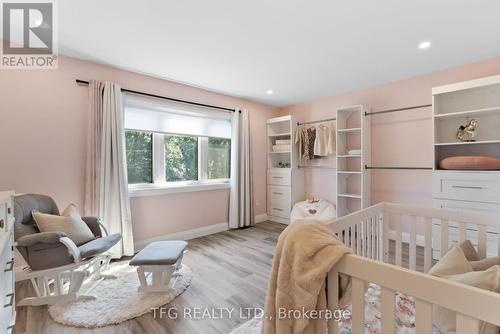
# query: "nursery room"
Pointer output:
{"type": "Point", "coordinates": [258, 167]}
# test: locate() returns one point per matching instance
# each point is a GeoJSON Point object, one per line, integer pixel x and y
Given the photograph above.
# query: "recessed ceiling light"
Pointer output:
{"type": "Point", "coordinates": [270, 92]}
{"type": "Point", "coordinates": [424, 45]}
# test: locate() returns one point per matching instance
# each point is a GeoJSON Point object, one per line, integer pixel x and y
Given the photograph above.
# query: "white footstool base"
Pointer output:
{"type": "Point", "coordinates": [163, 277]}
{"type": "Point", "coordinates": [158, 265]}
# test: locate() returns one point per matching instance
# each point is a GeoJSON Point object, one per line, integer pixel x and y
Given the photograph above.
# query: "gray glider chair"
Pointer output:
{"type": "Point", "coordinates": [57, 267]}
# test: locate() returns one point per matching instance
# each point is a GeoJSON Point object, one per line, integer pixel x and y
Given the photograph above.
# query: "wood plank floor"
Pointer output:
{"type": "Point", "coordinates": [230, 269]}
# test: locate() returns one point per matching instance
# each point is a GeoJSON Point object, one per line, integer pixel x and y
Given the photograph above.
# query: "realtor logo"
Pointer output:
{"type": "Point", "coordinates": [28, 34]}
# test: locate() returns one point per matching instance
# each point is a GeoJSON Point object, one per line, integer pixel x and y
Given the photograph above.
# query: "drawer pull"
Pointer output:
{"type": "Point", "coordinates": [468, 187]}
{"type": "Point", "coordinates": [277, 177]}
{"type": "Point", "coordinates": [11, 266]}
{"type": "Point", "coordinates": [277, 209]}
{"type": "Point", "coordinates": [276, 193]}
{"type": "Point", "coordinates": [2, 223]}
{"type": "Point", "coordinates": [9, 211]}
{"type": "Point", "coordinates": [11, 295]}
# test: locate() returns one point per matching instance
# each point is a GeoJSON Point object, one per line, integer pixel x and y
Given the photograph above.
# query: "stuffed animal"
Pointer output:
{"type": "Point", "coordinates": [312, 209]}
{"type": "Point", "coordinates": [467, 132]}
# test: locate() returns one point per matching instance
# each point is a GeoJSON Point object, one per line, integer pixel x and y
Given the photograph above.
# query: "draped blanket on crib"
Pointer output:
{"type": "Point", "coordinates": [305, 253]}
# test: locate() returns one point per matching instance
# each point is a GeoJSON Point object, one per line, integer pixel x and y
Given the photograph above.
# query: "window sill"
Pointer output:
{"type": "Point", "coordinates": [143, 190]}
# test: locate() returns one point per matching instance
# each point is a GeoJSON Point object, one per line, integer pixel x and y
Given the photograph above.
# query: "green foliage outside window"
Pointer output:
{"type": "Point", "coordinates": [139, 151]}
{"type": "Point", "coordinates": [219, 158]}
{"type": "Point", "coordinates": [181, 158]}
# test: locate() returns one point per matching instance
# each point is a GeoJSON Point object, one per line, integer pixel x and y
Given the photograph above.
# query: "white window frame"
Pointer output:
{"type": "Point", "coordinates": [160, 186]}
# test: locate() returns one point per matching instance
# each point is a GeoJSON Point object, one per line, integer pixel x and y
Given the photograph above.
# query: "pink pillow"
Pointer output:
{"type": "Point", "coordinates": [470, 163]}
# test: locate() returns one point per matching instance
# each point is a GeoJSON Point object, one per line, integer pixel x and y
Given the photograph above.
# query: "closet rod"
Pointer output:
{"type": "Point", "coordinates": [83, 82]}
{"type": "Point", "coordinates": [400, 168]}
{"type": "Point", "coordinates": [319, 121]}
{"type": "Point", "coordinates": [399, 109]}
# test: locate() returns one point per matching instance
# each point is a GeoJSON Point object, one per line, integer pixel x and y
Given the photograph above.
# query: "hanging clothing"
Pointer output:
{"type": "Point", "coordinates": [299, 140]}
{"type": "Point", "coordinates": [305, 139]}
{"type": "Point", "coordinates": [324, 144]}
{"type": "Point", "coordinates": [310, 137]}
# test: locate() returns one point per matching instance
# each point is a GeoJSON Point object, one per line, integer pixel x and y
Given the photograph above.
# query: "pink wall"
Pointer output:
{"type": "Point", "coordinates": [398, 139]}
{"type": "Point", "coordinates": [43, 126]}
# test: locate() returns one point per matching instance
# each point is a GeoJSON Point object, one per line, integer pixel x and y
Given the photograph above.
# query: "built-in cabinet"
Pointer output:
{"type": "Point", "coordinates": [353, 154]}
{"type": "Point", "coordinates": [285, 182]}
{"type": "Point", "coordinates": [7, 294]}
{"type": "Point", "coordinates": [479, 191]}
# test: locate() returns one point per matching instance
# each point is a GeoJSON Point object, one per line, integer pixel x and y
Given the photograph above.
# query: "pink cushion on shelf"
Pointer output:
{"type": "Point", "coordinates": [470, 163]}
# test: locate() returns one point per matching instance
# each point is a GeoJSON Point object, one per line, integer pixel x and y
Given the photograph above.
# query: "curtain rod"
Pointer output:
{"type": "Point", "coordinates": [400, 168]}
{"type": "Point", "coordinates": [83, 82]}
{"type": "Point", "coordinates": [319, 121]}
{"type": "Point", "coordinates": [398, 109]}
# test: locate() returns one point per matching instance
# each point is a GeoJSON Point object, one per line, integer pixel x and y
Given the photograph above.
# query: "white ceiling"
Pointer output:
{"type": "Point", "coordinates": [299, 49]}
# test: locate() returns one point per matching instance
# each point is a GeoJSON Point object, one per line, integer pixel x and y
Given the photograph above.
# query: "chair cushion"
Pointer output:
{"type": "Point", "coordinates": [160, 253]}
{"type": "Point", "coordinates": [69, 222]}
{"type": "Point", "coordinates": [99, 246]}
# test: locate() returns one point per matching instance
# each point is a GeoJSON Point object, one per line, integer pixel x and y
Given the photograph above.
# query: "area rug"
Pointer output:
{"type": "Point", "coordinates": [117, 300]}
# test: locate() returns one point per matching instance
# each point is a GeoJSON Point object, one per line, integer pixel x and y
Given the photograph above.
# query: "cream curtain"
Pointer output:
{"type": "Point", "coordinates": [241, 210]}
{"type": "Point", "coordinates": [106, 186]}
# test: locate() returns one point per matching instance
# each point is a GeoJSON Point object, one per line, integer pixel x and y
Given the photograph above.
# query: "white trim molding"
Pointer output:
{"type": "Point", "coordinates": [261, 218]}
{"type": "Point", "coordinates": [144, 190]}
{"type": "Point", "coordinates": [184, 235]}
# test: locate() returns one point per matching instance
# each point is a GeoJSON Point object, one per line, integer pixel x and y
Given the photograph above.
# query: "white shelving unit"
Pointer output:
{"type": "Point", "coordinates": [353, 181]}
{"type": "Point", "coordinates": [285, 186]}
{"type": "Point", "coordinates": [478, 191]}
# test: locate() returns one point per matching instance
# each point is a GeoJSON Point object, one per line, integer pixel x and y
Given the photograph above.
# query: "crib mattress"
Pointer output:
{"type": "Point", "coordinates": [405, 314]}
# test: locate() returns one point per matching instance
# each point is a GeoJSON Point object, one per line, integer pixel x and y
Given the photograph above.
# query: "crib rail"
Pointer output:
{"type": "Point", "coordinates": [369, 232]}
{"type": "Point", "coordinates": [471, 304]}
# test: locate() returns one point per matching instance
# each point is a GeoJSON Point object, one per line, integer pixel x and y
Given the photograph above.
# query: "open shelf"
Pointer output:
{"type": "Point", "coordinates": [469, 143]}
{"type": "Point", "coordinates": [280, 134]}
{"type": "Point", "coordinates": [349, 156]}
{"type": "Point", "coordinates": [476, 112]}
{"type": "Point", "coordinates": [349, 195]}
{"type": "Point", "coordinates": [350, 130]}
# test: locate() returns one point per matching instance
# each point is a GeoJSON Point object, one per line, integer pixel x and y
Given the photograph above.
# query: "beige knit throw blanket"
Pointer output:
{"type": "Point", "coordinates": [305, 253]}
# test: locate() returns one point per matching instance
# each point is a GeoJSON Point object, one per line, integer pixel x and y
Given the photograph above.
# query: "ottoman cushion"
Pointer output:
{"type": "Point", "coordinates": [159, 253]}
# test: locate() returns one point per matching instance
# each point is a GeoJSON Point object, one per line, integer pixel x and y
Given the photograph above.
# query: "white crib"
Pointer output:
{"type": "Point", "coordinates": [368, 233]}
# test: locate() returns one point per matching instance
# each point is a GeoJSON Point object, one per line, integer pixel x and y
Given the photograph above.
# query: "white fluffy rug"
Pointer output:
{"type": "Point", "coordinates": [117, 299]}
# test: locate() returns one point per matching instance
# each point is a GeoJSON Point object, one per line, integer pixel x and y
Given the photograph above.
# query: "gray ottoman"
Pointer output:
{"type": "Point", "coordinates": [161, 260]}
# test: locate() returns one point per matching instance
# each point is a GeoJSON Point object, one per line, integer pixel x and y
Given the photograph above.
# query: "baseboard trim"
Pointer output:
{"type": "Point", "coordinates": [405, 237]}
{"type": "Point", "coordinates": [184, 235]}
{"type": "Point", "coordinates": [261, 218]}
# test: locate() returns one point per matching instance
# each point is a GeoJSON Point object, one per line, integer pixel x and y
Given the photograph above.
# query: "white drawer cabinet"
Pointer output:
{"type": "Point", "coordinates": [279, 177]}
{"type": "Point", "coordinates": [7, 293]}
{"type": "Point", "coordinates": [467, 186]}
{"type": "Point", "coordinates": [279, 195]}
{"type": "Point", "coordinates": [285, 182]}
{"type": "Point", "coordinates": [466, 191]}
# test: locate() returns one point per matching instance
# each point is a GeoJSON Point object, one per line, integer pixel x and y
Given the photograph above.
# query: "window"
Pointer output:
{"type": "Point", "coordinates": [171, 148]}
{"type": "Point", "coordinates": [139, 151]}
{"type": "Point", "coordinates": [219, 158]}
{"type": "Point", "coordinates": [181, 158]}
